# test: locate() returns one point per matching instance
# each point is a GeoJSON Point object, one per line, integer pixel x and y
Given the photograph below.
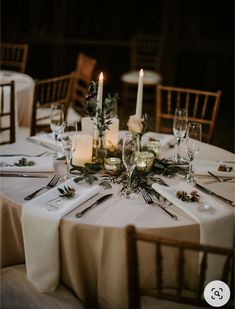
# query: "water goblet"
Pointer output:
{"type": "Point", "coordinates": [179, 130]}
{"type": "Point", "coordinates": [57, 121]}
{"type": "Point", "coordinates": [130, 150]}
{"type": "Point", "coordinates": [192, 146]}
{"type": "Point", "coordinates": [69, 143]}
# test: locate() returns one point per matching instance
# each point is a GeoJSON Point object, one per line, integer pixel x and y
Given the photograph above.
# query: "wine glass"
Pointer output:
{"type": "Point", "coordinates": [130, 150]}
{"type": "Point", "coordinates": [192, 146]}
{"type": "Point", "coordinates": [57, 120]}
{"type": "Point", "coordinates": [68, 141]}
{"type": "Point", "coordinates": [179, 129]}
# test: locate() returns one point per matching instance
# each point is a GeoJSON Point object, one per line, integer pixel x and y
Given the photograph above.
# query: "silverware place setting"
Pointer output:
{"type": "Point", "coordinates": [148, 199]}
{"type": "Point", "coordinates": [51, 184]}
{"type": "Point", "coordinates": [219, 178]}
{"type": "Point", "coordinates": [208, 191]}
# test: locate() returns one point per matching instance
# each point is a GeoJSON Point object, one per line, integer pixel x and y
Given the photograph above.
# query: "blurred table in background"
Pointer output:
{"type": "Point", "coordinates": [24, 87]}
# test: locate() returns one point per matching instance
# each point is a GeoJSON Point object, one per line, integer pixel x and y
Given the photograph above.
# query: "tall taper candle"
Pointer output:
{"type": "Point", "coordinates": [139, 100]}
{"type": "Point", "coordinates": [100, 90]}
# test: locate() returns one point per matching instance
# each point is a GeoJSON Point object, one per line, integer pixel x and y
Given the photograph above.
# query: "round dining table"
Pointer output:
{"type": "Point", "coordinates": [93, 247]}
{"type": "Point", "coordinates": [24, 88]}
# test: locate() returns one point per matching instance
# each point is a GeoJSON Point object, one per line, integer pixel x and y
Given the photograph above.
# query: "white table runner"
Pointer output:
{"type": "Point", "coordinates": [40, 223]}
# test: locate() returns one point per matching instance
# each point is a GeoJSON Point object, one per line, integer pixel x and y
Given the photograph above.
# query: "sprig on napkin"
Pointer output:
{"type": "Point", "coordinates": [182, 195]}
{"type": "Point", "coordinates": [24, 162]}
{"type": "Point", "coordinates": [67, 192]}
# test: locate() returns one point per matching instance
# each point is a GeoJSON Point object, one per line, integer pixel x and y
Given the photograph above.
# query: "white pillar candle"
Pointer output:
{"type": "Point", "coordinates": [83, 151]}
{"type": "Point", "coordinates": [139, 100]}
{"type": "Point", "coordinates": [111, 135]}
{"type": "Point", "coordinates": [88, 126]}
{"type": "Point", "coordinates": [100, 90]}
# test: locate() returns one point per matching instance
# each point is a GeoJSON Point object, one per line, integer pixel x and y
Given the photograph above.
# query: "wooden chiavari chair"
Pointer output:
{"type": "Point", "coordinates": [83, 76]}
{"type": "Point", "coordinates": [46, 92]}
{"type": "Point", "coordinates": [7, 113]}
{"type": "Point", "coordinates": [202, 107]}
{"type": "Point", "coordinates": [160, 296]}
{"type": "Point", "coordinates": [13, 56]}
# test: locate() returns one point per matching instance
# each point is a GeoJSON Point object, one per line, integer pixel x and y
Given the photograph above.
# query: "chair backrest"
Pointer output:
{"type": "Point", "coordinates": [7, 113]}
{"type": "Point", "coordinates": [146, 52]}
{"type": "Point", "coordinates": [13, 56]}
{"type": "Point", "coordinates": [202, 107]}
{"type": "Point", "coordinates": [46, 92]}
{"type": "Point", "coordinates": [83, 76]}
{"type": "Point", "coordinates": [181, 250]}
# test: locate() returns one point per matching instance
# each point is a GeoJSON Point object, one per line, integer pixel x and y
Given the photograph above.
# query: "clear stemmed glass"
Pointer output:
{"type": "Point", "coordinates": [130, 150]}
{"type": "Point", "coordinates": [68, 141]}
{"type": "Point", "coordinates": [179, 129]}
{"type": "Point", "coordinates": [192, 146]}
{"type": "Point", "coordinates": [57, 121]}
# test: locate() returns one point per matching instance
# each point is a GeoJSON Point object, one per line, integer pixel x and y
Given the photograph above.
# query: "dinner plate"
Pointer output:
{"type": "Point", "coordinates": [201, 167]}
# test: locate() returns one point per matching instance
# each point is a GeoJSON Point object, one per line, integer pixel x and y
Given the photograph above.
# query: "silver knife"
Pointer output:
{"type": "Point", "coordinates": [214, 194]}
{"type": "Point", "coordinates": [31, 140]}
{"type": "Point", "coordinates": [99, 201]}
{"type": "Point", "coordinates": [21, 175]}
{"type": "Point", "coordinates": [216, 177]}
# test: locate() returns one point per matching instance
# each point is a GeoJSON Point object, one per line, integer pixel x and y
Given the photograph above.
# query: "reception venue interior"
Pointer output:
{"type": "Point", "coordinates": [117, 161]}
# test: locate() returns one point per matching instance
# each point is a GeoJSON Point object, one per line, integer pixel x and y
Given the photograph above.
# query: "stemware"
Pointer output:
{"type": "Point", "coordinates": [57, 121]}
{"type": "Point", "coordinates": [179, 130]}
{"type": "Point", "coordinates": [192, 146]}
{"type": "Point", "coordinates": [130, 150]}
{"type": "Point", "coordinates": [68, 141]}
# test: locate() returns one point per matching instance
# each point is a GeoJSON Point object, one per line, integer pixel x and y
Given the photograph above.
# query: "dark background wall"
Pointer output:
{"type": "Point", "coordinates": [198, 53]}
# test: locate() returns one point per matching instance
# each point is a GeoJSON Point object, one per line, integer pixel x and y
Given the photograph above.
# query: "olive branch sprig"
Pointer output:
{"type": "Point", "coordinates": [102, 114]}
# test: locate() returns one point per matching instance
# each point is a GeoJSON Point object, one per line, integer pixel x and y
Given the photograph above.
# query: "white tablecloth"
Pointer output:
{"type": "Point", "coordinates": [93, 256]}
{"type": "Point", "coordinates": [24, 88]}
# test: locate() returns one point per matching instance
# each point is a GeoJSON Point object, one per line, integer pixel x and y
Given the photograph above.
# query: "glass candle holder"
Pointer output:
{"type": "Point", "coordinates": [145, 161]}
{"type": "Point", "coordinates": [154, 146]}
{"type": "Point", "coordinates": [112, 165]}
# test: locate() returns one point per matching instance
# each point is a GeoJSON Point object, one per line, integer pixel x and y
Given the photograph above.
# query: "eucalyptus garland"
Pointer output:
{"type": "Point", "coordinates": [162, 167]}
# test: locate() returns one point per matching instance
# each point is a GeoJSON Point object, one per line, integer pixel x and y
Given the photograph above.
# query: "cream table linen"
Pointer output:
{"type": "Point", "coordinates": [92, 248]}
{"type": "Point", "coordinates": [40, 223]}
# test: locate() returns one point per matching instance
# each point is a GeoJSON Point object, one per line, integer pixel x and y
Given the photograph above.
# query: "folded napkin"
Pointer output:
{"type": "Point", "coordinates": [164, 139]}
{"type": "Point", "coordinates": [42, 164]}
{"type": "Point", "coordinates": [201, 167]}
{"type": "Point", "coordinates": [40, 223]}
{"type": "Point", "coordinates": [45, 139]}
{"type": "Point", "coordinates": [216, 222]}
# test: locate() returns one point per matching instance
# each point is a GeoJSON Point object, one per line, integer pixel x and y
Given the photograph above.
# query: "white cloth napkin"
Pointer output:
{"type": "Point", "coordinates": [201, 167]}
{"type": "Point", "coordinates": [46, 139]}
{"type": "Point", "coordinates": [40, 223]}
{"type": "Point", "coordinates": [216, 222]}
{"type": "Point", "coordinates": [41, 165]}
{"type": "Point", "coordinates": [164, 139]}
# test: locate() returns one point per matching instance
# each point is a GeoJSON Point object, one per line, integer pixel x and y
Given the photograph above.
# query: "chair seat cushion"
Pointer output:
{"type": "Point", "coordinates": [150, 77]}
{"type": "Point", "coordinates": [18, 292]}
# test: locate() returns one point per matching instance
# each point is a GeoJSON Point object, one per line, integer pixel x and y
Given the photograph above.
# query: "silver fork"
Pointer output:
{"type": "Point", "coordinates": [149, 200]}
{"type": "Point", "coordinates": [50, 185]}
